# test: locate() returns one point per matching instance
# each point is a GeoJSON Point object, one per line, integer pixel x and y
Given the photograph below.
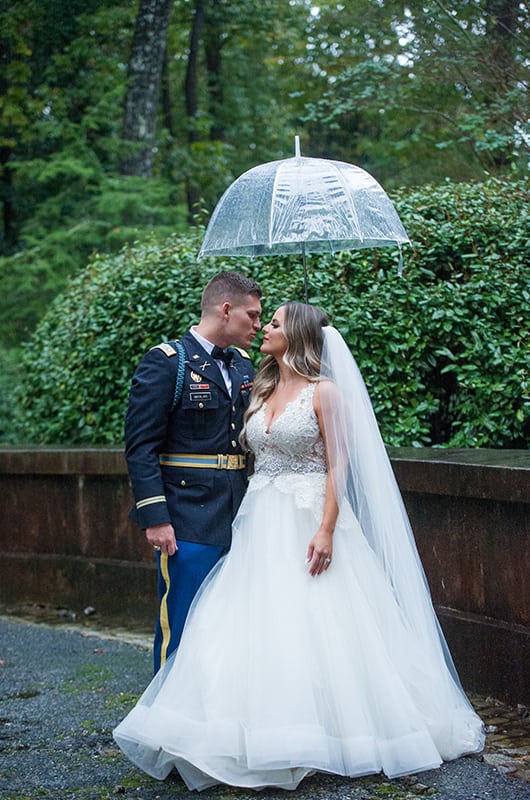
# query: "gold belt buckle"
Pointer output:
{"type": "Point", "coordinates": [232, 461]}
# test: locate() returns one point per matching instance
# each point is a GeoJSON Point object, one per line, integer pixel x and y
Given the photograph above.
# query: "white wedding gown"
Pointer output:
{"type": "Point", "coordinates": [278, 673]}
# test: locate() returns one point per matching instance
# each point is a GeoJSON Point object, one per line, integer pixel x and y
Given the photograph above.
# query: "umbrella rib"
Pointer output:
{"type": "Point", "coordinates": [271, 212]}
{"type": "Point", "coordinates": [347, 194]}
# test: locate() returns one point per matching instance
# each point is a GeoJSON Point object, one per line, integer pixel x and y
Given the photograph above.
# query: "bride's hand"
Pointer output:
{"type": "Point", "coordinates": [319, 552]}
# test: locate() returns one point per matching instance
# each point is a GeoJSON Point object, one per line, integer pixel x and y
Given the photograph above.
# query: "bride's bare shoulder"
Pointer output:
{"type": "Point", "coordinates": [326, 392]}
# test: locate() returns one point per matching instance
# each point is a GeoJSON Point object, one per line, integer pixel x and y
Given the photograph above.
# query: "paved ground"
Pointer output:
{"type": "Point", "coordinates": [63, 690]}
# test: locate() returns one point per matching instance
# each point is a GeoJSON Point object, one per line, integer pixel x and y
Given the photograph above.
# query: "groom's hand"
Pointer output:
{"type": "Point", "coordinates": [162, 537]}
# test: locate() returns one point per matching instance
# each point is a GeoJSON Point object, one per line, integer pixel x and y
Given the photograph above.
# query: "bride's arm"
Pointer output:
{"type": "Point", "coordinates": [320, 549]}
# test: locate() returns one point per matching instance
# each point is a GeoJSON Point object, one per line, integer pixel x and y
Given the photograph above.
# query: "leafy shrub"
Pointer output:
{"type": "Point", "coordinates": [10, 373]}
{"type": "Point", "coordinates": [444, 350]}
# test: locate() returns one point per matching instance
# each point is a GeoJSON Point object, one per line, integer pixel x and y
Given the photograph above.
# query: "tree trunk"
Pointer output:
{"type": "Point", "coordinates": [191, 99]}
{"type": "Point", "coordinates": [165, 96]}
{"type": "Point", "coordinates": [144, 74]}
{"type": "Point", "coordinates": [213, 44]}
{"type": "Point", "coordinates": [503, 69]}
{"type": "Point", "coordinates": [502, 27]}
{"type": "Point", "coordinates": [6, 195]}
{"type": "Point", "coordinates": [504, 15]}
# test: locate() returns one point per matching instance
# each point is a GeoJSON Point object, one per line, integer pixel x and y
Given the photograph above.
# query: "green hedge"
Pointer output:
{"type": "Point", "coordinates": [444, 349]}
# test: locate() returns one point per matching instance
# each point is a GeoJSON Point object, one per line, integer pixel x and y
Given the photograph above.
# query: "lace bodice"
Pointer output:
{"type": "Point", "coordinates": [294, 442]}
{"type": "Point", "coordinates": [291, 455]}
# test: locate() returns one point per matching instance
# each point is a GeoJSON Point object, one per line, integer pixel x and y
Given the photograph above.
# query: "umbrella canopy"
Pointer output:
{"type": "Point", "coordinates": [302, 205]}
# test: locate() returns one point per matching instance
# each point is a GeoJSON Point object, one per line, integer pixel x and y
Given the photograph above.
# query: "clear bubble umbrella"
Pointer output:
{"type": "Point", "coordinates": [302, 205]}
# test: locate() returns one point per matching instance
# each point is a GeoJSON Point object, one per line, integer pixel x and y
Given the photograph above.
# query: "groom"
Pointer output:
{"type": "Point", "coordinates": [187, 469]}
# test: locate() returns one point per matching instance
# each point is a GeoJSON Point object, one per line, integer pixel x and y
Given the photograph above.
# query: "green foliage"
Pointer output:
{"type": "Point", "coordinates": [418, 94]}
{"type": "Point", "coordinates": [62, 195]}
{"type": "Point", "coordinates": [413, 96]}
{"type": "Point", "coordinates": [89, 211]}
{"type": "Point", "coordinates": [113, 311]}
{"type": "Point", "coordinates": [443, 350]}
{"type": "Point", "coordinates": [10, 376]}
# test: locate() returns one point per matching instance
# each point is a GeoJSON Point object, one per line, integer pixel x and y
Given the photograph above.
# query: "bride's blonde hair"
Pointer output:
{"type": "Point", "coordinates": [303, 331]}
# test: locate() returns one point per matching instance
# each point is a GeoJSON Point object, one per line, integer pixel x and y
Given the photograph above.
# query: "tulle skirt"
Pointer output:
{"type": "Point", "coordinates": [280, 674]}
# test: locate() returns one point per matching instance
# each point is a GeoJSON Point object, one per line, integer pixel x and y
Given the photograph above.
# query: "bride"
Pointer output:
{"type": "Point", "coordinates": [313, 645]}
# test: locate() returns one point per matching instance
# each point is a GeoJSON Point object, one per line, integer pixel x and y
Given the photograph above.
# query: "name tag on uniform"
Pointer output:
{"type": "Point", "coordinates": [200, 396]}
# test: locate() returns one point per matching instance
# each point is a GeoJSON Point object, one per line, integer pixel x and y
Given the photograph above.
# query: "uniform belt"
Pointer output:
{"type": "Point", "coordinates": [200, 461]}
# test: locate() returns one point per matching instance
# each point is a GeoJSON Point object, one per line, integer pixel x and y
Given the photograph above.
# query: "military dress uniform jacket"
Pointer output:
{"type": "Point", "coordinates": [199, 502]}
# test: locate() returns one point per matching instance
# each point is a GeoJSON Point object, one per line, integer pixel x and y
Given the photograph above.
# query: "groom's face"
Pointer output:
{"type": "Point", "coordinates": [244, 321]}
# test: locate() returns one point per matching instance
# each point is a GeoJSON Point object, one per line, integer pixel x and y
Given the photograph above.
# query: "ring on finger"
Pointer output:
{"type": "Point", "coordinates": [327, 560]}
{"type": "Point", "coordinates": [156, 547]}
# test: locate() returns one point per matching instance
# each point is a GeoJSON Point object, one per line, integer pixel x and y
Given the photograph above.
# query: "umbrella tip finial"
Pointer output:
{"type": "Point", "coordinates": [297, 147]}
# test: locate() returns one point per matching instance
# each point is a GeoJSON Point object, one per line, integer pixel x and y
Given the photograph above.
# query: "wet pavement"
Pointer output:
{"type": "Point", "coordinates": [63, 688]}
{"type": "Point", "coordinates": [508, 736]}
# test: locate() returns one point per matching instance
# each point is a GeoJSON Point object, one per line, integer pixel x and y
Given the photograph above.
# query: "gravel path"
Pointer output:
{"type": "Point", "coordinates": [62, 692]}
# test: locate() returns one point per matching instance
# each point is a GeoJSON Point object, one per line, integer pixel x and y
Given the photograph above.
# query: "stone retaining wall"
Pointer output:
{"type": "Point", "coordinates": [66, 540]}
